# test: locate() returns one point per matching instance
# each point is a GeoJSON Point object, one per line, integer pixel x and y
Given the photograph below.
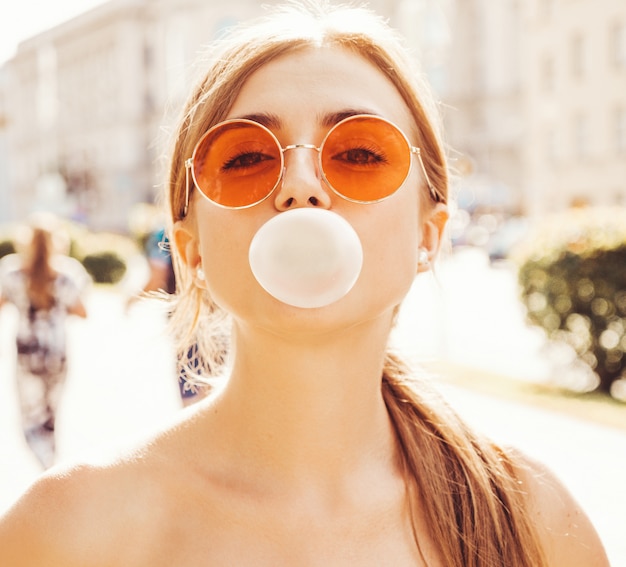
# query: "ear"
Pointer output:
{"type": "Point", "coordinates": [432, 233]}
{"type": "Point", "coordinates": [186, 242]}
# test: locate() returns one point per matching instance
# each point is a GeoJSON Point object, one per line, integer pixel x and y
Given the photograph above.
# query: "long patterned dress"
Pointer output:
{"type": "Point", "coordinates": [41, 357]}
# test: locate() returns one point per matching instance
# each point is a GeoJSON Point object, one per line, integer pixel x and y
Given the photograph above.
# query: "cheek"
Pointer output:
{"type": "Point", "coordinates": [397, 228]}
{"type": "Point", "coordinates": [390, 240]}
{"type": "Point", "coordinates": [396, 245]}
{"type": "Point", "coordinates": [224, 249]}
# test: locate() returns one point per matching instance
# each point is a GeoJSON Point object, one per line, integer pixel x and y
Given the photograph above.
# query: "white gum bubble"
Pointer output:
{"type": "Point", "coordinates": [306, 257]}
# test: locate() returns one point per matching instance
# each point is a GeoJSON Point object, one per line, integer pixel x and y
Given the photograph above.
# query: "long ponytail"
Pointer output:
{"type": "Point", "coordinates": [464, 486]}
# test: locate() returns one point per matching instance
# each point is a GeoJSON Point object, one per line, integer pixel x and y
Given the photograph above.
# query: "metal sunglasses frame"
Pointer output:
{"type": "Point", "coordinates": [413, 150]}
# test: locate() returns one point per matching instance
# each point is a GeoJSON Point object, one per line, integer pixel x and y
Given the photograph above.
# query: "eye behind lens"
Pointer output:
{"type": "Point", "coordinates": [365, 159]}
{"type": "Point", "coordinates": [237, 164]}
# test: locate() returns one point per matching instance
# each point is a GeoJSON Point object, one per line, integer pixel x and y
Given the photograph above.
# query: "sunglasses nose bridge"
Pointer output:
{"type": "Point", "coordinates": [301, 146]}
{"type": "Point", "coordinates": [303, 158]}
{"type": "Point", "coordinates": [300, 185]}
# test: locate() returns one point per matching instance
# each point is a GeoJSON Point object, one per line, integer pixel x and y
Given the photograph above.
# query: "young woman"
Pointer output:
{"type": "Point", "coordinates": [319, 448]}
{"type": "Point", "coordinates": [44, 296]}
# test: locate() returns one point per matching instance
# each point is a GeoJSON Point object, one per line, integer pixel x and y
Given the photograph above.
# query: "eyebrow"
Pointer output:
{"type": "Point", "coordinates": [273, 122]}
{"type": "Point", "coordinates": [329, 120]}
{"type": "Point", "coordinates": [270, 121]}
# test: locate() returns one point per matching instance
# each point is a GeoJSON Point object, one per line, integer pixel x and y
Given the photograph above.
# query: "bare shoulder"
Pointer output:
{"type": "Point", "coordinates": [87, 515]}
{"type": "Point", "coordinates": [568, 535]}
{"type": "Point", "coordinates": [135, 511]}
{"type": "Point", "coordinates": [54, 521]}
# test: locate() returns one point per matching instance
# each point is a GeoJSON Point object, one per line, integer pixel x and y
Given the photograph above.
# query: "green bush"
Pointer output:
{"type": "Point", "coordinates": [104, 255]}
{"type": "Point", "coordinates": [105, 267]}
{"type": "Point", "coordinates": [572, 274]}
{"type": "Point", "coordinates": [7, 247]}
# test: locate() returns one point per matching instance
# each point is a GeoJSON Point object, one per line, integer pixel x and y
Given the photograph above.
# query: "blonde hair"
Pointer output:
{"type": "Point", "coordinates": [464, 486]}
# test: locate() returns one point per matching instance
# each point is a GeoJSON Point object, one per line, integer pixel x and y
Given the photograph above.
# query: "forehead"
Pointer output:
{"type": "Point", "coordinates": [317, 81]}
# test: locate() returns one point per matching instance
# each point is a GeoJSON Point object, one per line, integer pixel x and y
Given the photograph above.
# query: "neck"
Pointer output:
{"type": "Point", "coordinates": [307, 410]}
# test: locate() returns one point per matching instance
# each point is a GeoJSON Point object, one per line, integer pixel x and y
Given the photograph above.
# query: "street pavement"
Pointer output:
{"type": "Point", "coordinates": [121, 386]}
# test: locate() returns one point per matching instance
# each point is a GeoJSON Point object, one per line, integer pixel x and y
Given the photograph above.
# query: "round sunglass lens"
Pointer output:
{"type": "Point", "coordinates": [237, 164]}
{"type": "Point", "coordinates": [365, 159]}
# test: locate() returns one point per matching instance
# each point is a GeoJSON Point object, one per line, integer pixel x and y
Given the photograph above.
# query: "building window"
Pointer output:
{"type": "Point", "coordinates": [579, 56]}
{"type": "Point", "coordinates": [547, 74]}
{"type": "Point", "coordinates": [581, 136]}
{"type": "Point", "coordinates": [552, 146]}
{"type": "Point", "coordinates": [547, 9]}
{"type": "Point", "coordinates": [619, 131]}
{"type": "Point", "coordinates": [618, 45]}
{"type": "Point", "coordinates": [148, 56]}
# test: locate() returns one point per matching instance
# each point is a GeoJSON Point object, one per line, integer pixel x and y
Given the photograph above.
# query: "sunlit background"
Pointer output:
{"type": "Point", "coordinates": [532, 290]}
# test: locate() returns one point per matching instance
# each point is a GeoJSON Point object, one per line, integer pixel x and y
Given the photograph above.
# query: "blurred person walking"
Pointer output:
{"type": "Point", "coordinates": [45, 286]}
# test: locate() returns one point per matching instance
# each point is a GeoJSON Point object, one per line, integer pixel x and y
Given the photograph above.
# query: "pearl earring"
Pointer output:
{"type": "Point", "coordinates": [200, 273]}
{"type": "Point", "coordinates": [422, 257]}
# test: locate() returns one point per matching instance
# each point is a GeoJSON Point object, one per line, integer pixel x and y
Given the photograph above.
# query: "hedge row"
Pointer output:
{"type": "Point", "coordinates": [572, 275]}
{"type": "Point", "coordinates": [104, 255]}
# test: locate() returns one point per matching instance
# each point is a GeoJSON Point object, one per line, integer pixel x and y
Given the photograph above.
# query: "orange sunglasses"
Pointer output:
{"type": "Point", "coordinates": [363, 158]}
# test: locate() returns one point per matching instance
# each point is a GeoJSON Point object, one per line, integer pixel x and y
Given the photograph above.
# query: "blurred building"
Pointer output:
{"type": "Point", "coordinates": [76, 113]}
{"type": "Point", "coordinates": [484, 101]}
{"type": "Point", "coordinates": [536, 103]}
{"type": "Point", "coordinates": [575, 111]}
{"type": "Point", "coordinates": [533, 94]}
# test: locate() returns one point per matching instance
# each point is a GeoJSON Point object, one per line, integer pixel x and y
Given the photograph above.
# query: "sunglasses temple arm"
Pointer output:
{"type": "Point", "coordinates": [433, 192]}
{"type": "Point", "coordinates": [187, 169]}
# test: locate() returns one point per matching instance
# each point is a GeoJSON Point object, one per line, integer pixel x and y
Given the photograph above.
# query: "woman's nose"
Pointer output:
{"type": "Point", "coordinates": [301, 184]}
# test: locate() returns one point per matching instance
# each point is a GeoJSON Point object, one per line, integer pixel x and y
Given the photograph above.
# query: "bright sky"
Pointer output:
{"type": "Point", "coordinates": [22, 19]}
